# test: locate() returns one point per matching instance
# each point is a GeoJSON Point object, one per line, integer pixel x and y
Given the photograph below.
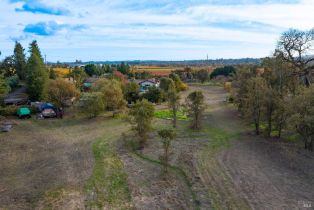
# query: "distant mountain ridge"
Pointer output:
{"type": "Point", "coordinates": [184, 62]}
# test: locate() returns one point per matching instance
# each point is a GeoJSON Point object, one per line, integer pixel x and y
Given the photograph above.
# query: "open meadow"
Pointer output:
{"type": "Point", "coordinates": [156, 105]}
{"type": "Point", "coordinates": [80, 163]}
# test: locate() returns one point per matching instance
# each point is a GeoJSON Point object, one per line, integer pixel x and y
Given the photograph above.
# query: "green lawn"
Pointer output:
{"type": "Point", "coordinates": [167, 114]}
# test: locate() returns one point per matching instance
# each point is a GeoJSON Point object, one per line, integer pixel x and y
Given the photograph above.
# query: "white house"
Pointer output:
{"type": "Point", "coordinates": [145, 84]}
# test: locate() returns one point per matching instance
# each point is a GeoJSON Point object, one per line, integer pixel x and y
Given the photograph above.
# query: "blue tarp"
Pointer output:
{"type": "Point", "coordinates": [47, 106]}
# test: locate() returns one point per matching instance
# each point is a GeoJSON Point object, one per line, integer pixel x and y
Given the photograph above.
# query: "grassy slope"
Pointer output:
{"type": "Point", "coordinates": [108, 186]}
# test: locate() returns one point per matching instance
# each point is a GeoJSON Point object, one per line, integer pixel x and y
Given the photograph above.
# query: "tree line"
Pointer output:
{"type": "Point", "coordinates": [278, 93]}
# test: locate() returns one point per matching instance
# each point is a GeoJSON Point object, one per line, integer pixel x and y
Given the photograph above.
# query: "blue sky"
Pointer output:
{"type": "Point", "coordinates": [150, 29]}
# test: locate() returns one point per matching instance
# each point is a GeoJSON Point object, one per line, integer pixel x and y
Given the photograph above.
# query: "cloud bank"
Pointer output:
{"type": "Point", "coordinates": [151, 29]}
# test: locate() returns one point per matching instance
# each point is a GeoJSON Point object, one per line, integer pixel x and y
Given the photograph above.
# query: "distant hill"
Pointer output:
{"type": "Point", "coordinates": [185, 62]}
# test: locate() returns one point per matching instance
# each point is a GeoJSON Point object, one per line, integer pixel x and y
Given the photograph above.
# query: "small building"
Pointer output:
{"type": "Point", "coordinates": [88, 82]}
{"type": "Point", "coordinates": [146, 84]}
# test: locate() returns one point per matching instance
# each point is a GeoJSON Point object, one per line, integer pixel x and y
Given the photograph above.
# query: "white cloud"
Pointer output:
{"type": "Point", "coordinates": [164, 27]}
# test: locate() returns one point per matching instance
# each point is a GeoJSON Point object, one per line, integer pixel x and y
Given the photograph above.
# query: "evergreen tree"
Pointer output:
{"type": "Point", "coordinates": [123, 68]}
{"type": "Point", "coordinates": [19, 60]}
{"type": "Point", "coordinates": [37, 74]}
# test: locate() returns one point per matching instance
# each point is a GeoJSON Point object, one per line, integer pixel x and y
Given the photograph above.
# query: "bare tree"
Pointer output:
{"type": "Point", "coordinates": [296, 47]}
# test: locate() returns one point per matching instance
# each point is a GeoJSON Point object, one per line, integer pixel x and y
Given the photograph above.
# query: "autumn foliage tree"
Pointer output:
{"type": "Point", "coordinates": [112, 93]}
{"type": "Point", "coordinates": [195, 104]}
{"type": "Point", "coordinates": [78, 75]}
{"type": "Point", "coordinates": [60, 91]}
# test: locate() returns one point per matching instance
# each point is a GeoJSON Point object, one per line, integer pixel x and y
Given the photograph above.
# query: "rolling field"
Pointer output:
{"type": "Point", "coordinates": [79, 163]}
{"type": "Point", "coordinates": [155, 70]}
{"type": "Point", "coordinates": [166, 70]}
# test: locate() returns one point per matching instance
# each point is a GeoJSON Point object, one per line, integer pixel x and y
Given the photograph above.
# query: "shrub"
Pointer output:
{"type": "Point", "coordinates": [203, 75]}
{"type": "Point", "coordinates": [224, 71]}
{"type": "Point", "coordinates": [228, 86]}
{"type": "Point", "coordinates": [142, 114]}
{"type": "Point", "coordinates": [92, 104]}
{"type": "Point", "coordinates": [112, 93]}
{"type": "Point", "coordinates": [180, 86]}
{"type": "Point", "coordinates": [154, 95]}
{"type": "Point", "coordinates": [8, 110]}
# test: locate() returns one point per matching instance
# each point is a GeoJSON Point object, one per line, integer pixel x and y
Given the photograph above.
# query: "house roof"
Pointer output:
{"type": "Point", "coordinates": [154, 81]}
{"type": "Point", "coordinates": [91, 80]}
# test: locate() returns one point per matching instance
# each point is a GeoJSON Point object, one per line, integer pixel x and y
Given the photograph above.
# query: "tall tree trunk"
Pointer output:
{"type": "Point", "coordinates": [310, 144]}
{"type": "Point", "coordinates": [174, 112]}
{"type": "Point", "coordinates": [256, 121]}
{"type": "Point", "coordinates": [306, 144]}
{"type": "Point", "coordinates": [307, 80]}
{"type": "Point", "coordinates": [279, 130]}
{"type": "Point", "coordinates": [257, 128]}
{"type": "Point", "coordinates": [269, 129]}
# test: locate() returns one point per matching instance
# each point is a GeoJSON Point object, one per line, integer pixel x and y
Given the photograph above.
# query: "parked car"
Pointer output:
{"type": "Point", "coordinates": [48, 112]}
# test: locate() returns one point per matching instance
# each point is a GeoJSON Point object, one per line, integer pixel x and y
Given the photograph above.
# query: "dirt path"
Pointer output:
{"type": "Point", "coordinates": [254, 172]}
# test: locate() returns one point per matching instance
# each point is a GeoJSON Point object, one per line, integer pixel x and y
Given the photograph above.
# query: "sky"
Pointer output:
{"type": "Point", "coordinates": [111, 30]}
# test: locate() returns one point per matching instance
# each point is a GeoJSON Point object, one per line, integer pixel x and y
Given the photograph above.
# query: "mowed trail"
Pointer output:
{"type": "Point", "coordinates": [253, 172]}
